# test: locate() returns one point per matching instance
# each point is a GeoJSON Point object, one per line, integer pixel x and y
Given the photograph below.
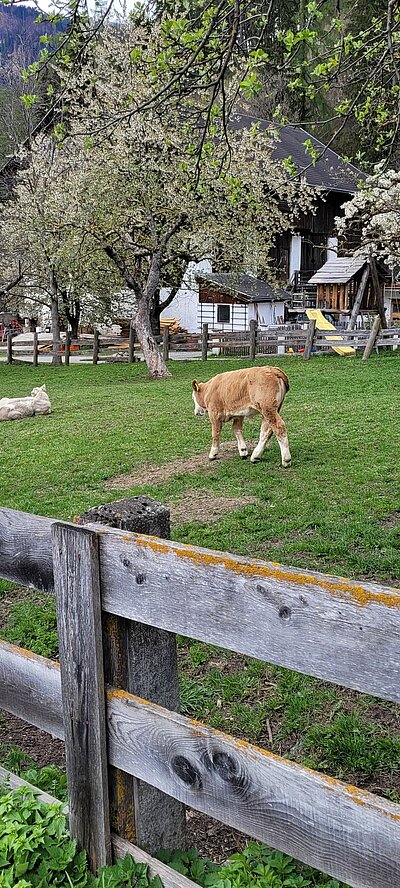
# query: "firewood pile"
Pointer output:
{"type": "Point", "coordinates": [172, 324]}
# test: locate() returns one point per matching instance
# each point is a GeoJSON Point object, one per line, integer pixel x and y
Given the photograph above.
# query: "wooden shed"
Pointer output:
{"type": "Point", "coordinates": [338, 282]}
{"type": "Point", "coordinates": [230, 301]}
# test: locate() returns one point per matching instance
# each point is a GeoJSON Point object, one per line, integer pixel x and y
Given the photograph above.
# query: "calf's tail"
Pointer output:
{"type": "Point", "coordinates": [281, 375]}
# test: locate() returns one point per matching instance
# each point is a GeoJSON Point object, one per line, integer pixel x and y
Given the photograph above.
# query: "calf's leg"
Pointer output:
{"type": "Point", "coordinates": [237, 427]}
{"type": "Point", "coordinates": [216, 426]}
{"type": "Point", "coordinates": [273, 424]}
{"type": "Point", "coordinates": [265, 435]}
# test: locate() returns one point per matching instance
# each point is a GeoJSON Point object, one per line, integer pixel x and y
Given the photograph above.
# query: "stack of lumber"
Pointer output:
{"type": "Point", "coordinates": [172, 324]}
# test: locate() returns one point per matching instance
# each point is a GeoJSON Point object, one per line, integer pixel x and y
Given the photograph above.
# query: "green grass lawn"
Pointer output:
{"type": "Point", "coordinates": [336, 510]}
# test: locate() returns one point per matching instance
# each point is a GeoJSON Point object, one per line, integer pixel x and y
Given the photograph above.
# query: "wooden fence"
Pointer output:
{"type": "Point", "coordinates": [253, 343]}
{"type": "Point", "coordinates": [332, 628]}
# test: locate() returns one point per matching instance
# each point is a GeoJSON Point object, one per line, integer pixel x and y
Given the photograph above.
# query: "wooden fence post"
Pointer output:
{"type": "Point", "coordinates": [143, 660]}
{"type": "Point", "coordinates": [372, 338]}
{"type": "Point", "coordinates": [35, 349]}
{"type": "Point", "coordinates": [359, 296]}
{"type": "Point", "coordinates": [96, 347]}
{"type": "Point", "coordinates": [77, 588]}
{"type": "Point", "coordinates": [310, 339]}
{"type": "Point", "coordinates": [132, 337]}
{"type": "Point", "coordinates": [204, 342]}
{"type": "Point", "coordinates": [378, 290]}
{"type": "Point", "coordinates": [165, 343]}
{"type": "Point", "coordinates": [253, 339]}
{"type": "Point", "coordinates": [9, 349]}
{"type": "Point", "coordinates": [67, 348]}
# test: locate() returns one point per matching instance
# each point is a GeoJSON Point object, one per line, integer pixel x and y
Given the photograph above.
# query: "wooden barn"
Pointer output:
{"type": "Point", "coordinates": [300, 253]}
{"type": "Point", "coordinates": [231, 301]}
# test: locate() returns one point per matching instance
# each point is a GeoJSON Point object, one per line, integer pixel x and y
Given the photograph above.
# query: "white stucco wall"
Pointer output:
{"type": "Point", "coordinates": [295, 254]}
{"type": "Point", "coordinates": [266, 313]}
{"type": "Point", "coordinates": [184, 306]}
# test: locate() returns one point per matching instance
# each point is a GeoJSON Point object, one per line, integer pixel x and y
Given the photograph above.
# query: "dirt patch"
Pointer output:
{"type": "Point", "coordinates": [200, 504]}
{"type": "Point", "coordinates": [392, 520]}
{"type": "Point", "coordinates": [152, 474]}
{"type": "Point", "coordinates": [43, 749]}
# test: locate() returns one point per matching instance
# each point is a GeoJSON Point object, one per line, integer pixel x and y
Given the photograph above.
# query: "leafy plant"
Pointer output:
{"type": "Point", "coordinates": [258, 866]}
{"type": "Point", "coordinates": [37, 852]}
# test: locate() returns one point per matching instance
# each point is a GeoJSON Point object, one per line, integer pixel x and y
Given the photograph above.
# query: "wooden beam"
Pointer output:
{"type": "Point", "coordinates": [274, 613]}
{"type": "Point", "coordinates": [204, 342]}
{"type": "Point", "coordinates": [9, 348]}
{"type": "Point", "coordinates": [310, 339]}
{"type": "Point", "coordinates": [170, 878]}
{"type": "Point", "coordinates": [77, 587]}
{"type": "Point", "coordinates": [348, 833]}
{"type": "Point", "coordinates": [372, 338]}
{"type": "Point", "coordinates": [143, 660]}
{"type": "Point", "coordinates": [132, 337]}
{"type": "Point", "coordinates": [96, 343]}
{"type": "Point", "coordinates": [30, 688]}
{"type": "Point", "coordinates": [25, 549]}
{"type": "Point", "coordinates": [378, 290]}
{"type": "Point", "coordinates": [35, 349]}
{"type": "Point", "coordinates": [165, 343]}
{"type": "Point", "coordinates": [67, 348]}
{"type": "Point", "coordinates": [359, 297]}
{"type": "Point", "coordinates": [253, 340]}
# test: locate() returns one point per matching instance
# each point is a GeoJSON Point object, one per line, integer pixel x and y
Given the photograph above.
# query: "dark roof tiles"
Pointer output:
{"type": "Point", "coordinates": [251, 288]}
{"type": "Point", "coordinates": [329, 172]}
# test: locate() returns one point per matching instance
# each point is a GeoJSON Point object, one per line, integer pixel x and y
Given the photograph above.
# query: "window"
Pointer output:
{"type": "Point", "coordinates": [223, 314]}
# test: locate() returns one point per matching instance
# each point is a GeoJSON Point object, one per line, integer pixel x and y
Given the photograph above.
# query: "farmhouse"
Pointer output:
{"type": "Point", "coordinates": [300, 253]}
{"type": "Point", "coordinates": [230, 301]}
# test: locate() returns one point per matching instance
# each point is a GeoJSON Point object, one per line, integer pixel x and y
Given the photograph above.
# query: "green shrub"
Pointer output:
{"type": "Point", "coordinates": [258, 866]}
{"type": "Point", "coordinates": [36, 851]}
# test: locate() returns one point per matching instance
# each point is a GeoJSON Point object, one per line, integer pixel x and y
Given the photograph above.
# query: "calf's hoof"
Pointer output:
{"type": "Point", "coordinates": [212, 456]}
{"type": "Point", "coordinates": [243, 454]}
{"type": "Point", "coordinates": [254, 459]}
{"type": "Point", "coordinates": [287, 464]}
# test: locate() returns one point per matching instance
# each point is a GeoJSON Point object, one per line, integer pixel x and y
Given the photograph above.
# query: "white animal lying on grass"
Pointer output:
{"type": "Point", "coordinates": [19, 408]}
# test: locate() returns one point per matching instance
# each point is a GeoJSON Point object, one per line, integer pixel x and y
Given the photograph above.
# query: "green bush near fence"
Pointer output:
{"type": "Point", "coordinates": [37, 852]}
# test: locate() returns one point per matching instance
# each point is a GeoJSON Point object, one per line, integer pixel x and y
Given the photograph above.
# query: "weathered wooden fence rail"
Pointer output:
{"type": "Point", "coordinates": [253, 343]}
{"type": "Point", "coordinates": [330, 627]}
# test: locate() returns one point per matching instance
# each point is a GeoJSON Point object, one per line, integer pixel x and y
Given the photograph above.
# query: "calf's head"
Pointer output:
{"type": "Point", "coordinates": [198, 400]}
{"type": "Point", "coordinates": [39, 391]}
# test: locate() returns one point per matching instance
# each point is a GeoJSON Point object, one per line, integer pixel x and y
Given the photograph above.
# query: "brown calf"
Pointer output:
{"type": "Point", "coordinates": [239, 393]}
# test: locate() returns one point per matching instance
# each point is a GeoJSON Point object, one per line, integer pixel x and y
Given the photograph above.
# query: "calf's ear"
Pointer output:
{"type": "Point", "coordinates": [195, 386]}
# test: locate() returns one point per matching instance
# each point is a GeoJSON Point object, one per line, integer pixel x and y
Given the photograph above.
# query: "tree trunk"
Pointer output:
{"type": "Point", "coordinates": [55, 332]}
{"type": "Point", "coordinates": [151, 352]}
{"type": "Point", "coordinates": [155, 313]}
{"type": "Point", "coordinates": [74, 318]}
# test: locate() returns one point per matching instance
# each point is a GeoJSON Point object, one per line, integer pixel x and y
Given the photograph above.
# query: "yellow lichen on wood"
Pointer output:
{"type": "Point", "coordinates": [338, 586]}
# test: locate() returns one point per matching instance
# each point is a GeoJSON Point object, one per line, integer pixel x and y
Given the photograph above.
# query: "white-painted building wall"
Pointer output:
{"type": "Point", "coordinates": [331, 248]}
{"type": "Point", "coordinates": [267, 314]}
{"type": "Point", "coordinates": [295, 254]}
{"type": "Point", "coordinates": [185, 305]}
